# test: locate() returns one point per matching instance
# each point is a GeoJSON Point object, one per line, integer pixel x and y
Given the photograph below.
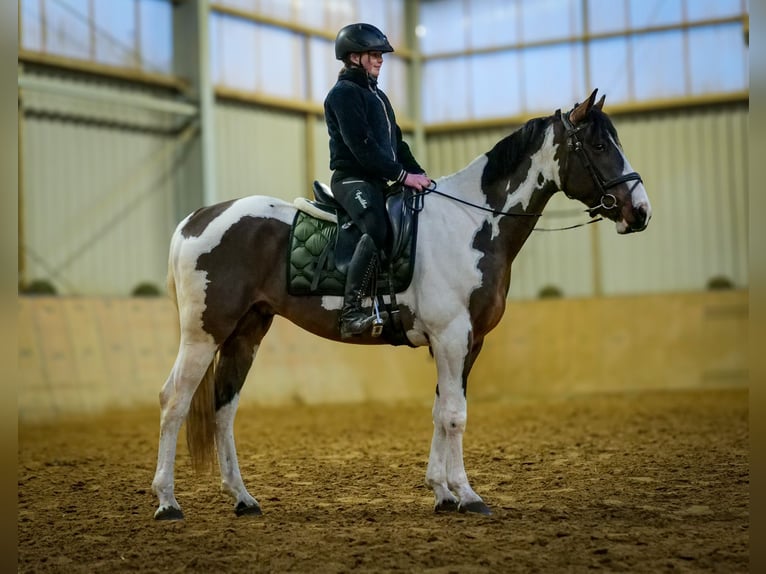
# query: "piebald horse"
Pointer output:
{"type": "Point", "coordinates": [227, 277]}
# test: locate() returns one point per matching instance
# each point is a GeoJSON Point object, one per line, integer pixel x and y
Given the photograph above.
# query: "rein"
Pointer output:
{"type": "Point", "coordinates": [433, 189]}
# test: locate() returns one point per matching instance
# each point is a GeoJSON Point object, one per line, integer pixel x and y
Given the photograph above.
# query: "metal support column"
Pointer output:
{"type": "Point", "coordinates": [411, 18]}
{"type": "Point", "coordinates": [191, 49]}
{"type": "Point", "coordinates": [22, 268]}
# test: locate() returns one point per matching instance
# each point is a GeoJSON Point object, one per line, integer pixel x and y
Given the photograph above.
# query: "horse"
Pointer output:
{"type": "Point", "coordinates": [226, 276]}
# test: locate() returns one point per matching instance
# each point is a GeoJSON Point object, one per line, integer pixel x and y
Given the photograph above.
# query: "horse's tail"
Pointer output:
{"type": "Point", "coordinates": [171, 286]}
{"type": "Point", "coordinates": [200, 422]}
{"type": "Point", "coordinates": [170, 281]}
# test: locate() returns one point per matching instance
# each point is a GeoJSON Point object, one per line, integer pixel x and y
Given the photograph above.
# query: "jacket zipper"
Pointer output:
{"type": "Point", "coordinates": [388, 122]}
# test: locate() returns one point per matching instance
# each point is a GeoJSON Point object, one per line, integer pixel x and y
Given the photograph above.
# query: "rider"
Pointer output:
{"type": "Point", "coordinates": [366, 152]}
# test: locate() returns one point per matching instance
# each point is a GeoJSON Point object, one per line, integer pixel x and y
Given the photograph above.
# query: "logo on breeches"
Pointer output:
{"type": "Point", "coordinates": [360, 198]}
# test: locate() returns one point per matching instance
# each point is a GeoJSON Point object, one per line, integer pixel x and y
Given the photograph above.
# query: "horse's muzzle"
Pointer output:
{"type": "Point", "coordinates": [637, 220]}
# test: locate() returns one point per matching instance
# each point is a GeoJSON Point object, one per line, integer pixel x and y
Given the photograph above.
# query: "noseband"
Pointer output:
{"type": "Point", "coordinates": [575, 146]}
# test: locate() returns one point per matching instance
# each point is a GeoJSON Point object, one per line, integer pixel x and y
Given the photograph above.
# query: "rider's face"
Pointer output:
{"type": "Point", "coordinates": [371, 62]}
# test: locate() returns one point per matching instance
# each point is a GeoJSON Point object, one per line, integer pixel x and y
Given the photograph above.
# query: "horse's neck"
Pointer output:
{"type": "Point", "coordinates": [523, 190]}
{"type": "Point", "coordinates": [465, 185]}
{"type": "Point", "coordinates": [527, 187]}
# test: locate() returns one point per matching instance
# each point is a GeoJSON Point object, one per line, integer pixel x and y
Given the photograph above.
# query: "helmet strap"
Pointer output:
{"type": "Point", "coordinates": [351, 64]}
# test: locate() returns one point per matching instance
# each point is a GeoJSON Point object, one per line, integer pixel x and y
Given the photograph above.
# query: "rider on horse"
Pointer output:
{"type": "Point", "coordinates": [366, 152]}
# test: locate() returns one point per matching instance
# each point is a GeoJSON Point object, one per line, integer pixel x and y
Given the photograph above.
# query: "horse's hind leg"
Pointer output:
{"type": "Point", "coordinates": [191, 364]}
{"type": "Point", "coordinates": [235, 358]}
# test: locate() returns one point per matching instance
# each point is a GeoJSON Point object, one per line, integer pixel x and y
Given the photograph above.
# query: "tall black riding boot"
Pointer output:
{"type": "Point", "coordinates": [353, 319]}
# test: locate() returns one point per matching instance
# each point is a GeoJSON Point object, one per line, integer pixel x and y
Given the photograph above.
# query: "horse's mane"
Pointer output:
{"type": "Point", "coordinates": [510, 151]}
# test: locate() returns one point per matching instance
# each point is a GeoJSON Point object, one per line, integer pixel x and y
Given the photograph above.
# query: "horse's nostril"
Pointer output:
{"type": "Point", "coordinates": [641, 217]}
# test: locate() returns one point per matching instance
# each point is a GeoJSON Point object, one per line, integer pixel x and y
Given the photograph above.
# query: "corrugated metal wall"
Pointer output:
{"type": "Point", "coordinates": [259, 152]}
{"type": "Point", "coordinates": [694, 165]}
{"type": "Point", "coordinates": [104, 184]}
{"type": "Point", "coordinates": [695, 168]}
{"type": "Point", "coordinates": [264, 152]}
{"type": "Point", "coordinates": [98, 192]}
{"type": "Point", "coordinates": [321, 152]}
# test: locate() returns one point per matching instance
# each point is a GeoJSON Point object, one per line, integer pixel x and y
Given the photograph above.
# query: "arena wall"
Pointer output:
{"type": "Point", "coordinates": [86, 355]}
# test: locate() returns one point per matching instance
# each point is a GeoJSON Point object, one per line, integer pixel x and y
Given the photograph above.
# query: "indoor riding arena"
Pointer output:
{"type": "Point", "coordinates": [604, 424]}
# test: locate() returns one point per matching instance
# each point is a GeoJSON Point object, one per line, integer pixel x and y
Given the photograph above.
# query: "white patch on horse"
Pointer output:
{"type": "Point", "coordinates": [468, 180]}
{"type": "Point", "coordinates": [333, 302]}
{"type": "Point", "coordinates": [441, 293]}
{"type": "Point", "coordinates": [543, 162]}
{"type": "Point", "coordinates": [638, 196]}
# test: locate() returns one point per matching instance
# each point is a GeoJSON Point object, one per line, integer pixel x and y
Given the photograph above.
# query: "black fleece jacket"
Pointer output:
{"type": "Point", "coordinates": [364, 138]}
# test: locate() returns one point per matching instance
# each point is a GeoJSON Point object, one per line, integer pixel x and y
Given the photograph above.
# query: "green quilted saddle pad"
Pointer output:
{"type": "Point", "coordinates": [312, 243]}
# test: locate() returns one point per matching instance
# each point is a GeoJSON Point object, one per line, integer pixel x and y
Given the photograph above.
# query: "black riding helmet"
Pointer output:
{"type": "Point", "coordinates": [360, 38]}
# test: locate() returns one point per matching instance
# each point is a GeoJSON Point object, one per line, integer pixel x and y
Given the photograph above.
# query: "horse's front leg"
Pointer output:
{"type": "Point", "coordinates": [446, 474]}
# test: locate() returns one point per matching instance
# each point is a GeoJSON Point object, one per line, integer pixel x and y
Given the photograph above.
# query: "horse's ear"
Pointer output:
{"type": "Point", "coordinates": [600, 104]}
{"type": "Point", "coordinates": [581, 110]}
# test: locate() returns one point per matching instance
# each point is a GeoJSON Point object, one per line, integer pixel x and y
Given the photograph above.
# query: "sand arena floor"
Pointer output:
{"type": "Point", "coordinates": [642, 483]}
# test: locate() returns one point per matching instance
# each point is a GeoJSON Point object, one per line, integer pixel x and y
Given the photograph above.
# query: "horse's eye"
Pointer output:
{"type": "Point", "coordinates": [599, 147]}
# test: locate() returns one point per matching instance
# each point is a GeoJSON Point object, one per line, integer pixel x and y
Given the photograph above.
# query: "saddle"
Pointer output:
{"type": "Point", "coordinates": [322, 241]}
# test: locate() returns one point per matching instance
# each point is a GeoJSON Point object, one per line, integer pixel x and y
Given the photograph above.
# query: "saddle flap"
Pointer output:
{"type": "Point", "coordinates": [402, 207]}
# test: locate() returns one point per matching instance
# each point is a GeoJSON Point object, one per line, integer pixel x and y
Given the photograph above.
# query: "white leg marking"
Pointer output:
{"type": "Point", "coordinates": [176, 395]}
{"type": "Point", "coordinates": [231, 478]}
{"type": "Point", "coordinates": [446, 471]}
{"type": "Point", "coordinates": [436, 474]}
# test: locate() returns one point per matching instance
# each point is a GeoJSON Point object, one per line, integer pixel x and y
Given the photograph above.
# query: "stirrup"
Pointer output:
{"type": "Point", "coordinates": [346, 330]}
{"type": "Point", "coordinates": [377, 323]}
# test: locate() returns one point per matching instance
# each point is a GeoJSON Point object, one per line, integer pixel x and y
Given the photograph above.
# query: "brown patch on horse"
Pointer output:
{"type": "Point", "coordinates": [487, 303]}
{"type": "Point", "coordinates": [200, 219]}
{"type": "Point", "coordinates": [236, 279]}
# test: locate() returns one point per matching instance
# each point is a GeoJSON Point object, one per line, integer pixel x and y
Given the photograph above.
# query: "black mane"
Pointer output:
{"type": "Point", "coordinates": [510, 151]}
{"type": "Point", "coordinates": [601, 122]}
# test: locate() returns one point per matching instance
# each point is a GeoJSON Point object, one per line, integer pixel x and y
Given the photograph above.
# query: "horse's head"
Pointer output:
{"type": "Point", "coordinates": [595, 171]}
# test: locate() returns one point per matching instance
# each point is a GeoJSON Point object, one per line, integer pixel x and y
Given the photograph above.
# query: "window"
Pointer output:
{"type": "Point", "coordinates": [608, 65]}
{"type": "Point", "coordinates": [130, 34]}
{"type": "Point", "coordinates": [717, 59]}
{"type": "Point", "coordinates": [286, 48]}
{"type": "Point", "coordinates": [658, 64]}
{"type": "Point", "coordinates": [522, 57]}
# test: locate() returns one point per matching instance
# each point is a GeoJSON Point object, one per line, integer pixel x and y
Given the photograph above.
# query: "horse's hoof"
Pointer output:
{"type": "Point", "coordinates": [243, 509]}
{"type": "Point", "coordinates": [477, 507]}
{"type": "Point", "coordinates": [169, 513]}
{"type": "Point", "coordinates": [446, 506]}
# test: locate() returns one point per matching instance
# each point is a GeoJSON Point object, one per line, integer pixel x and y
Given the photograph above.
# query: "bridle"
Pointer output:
{"type": "Point", "coordinates": [575, 146]}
